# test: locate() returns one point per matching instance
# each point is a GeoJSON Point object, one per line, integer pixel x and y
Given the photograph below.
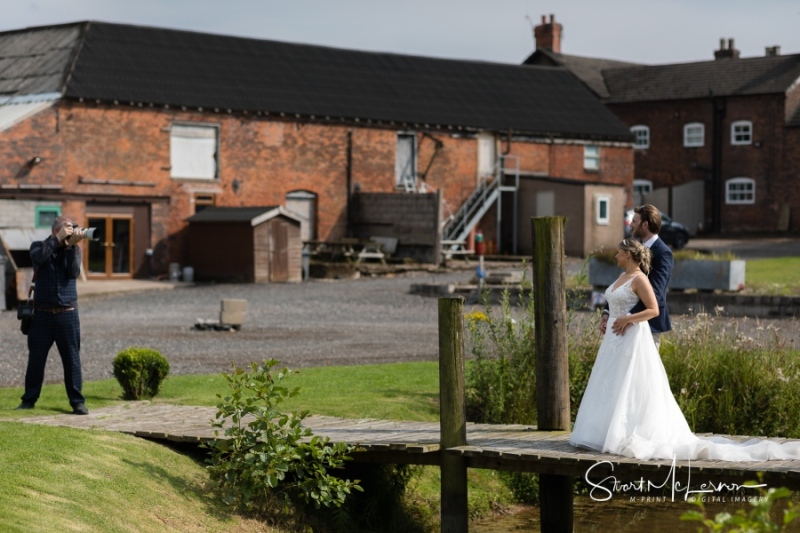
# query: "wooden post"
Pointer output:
{"type": "Point", "coordinates": [452, 414]}
{"type": "Point", "coordinates": [552, 362]}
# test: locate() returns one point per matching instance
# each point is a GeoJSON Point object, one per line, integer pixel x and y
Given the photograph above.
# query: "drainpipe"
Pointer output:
{"type": "Point", "coordinates": [349, 180]}
{"type": "Point", "coordinates": [718, 110]}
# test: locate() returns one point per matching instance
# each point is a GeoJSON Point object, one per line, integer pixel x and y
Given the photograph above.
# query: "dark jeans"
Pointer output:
{"type": "Point", "coordinates": [63, 329]}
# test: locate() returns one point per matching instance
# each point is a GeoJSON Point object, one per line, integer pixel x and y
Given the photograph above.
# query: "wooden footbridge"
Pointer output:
{"type": "Point", "coordinates": [500, 447]}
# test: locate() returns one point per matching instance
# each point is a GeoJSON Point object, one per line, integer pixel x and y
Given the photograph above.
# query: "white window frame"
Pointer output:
{"type": "Point", "coordinates": [603, 220]}
{"type": "Point", "coordinates": [642, 186]}
{"type": "Point", "coordinates": [741, 124]}
{"type": "Point", "coordinates": [403, 168]}
{"type": "Point", "coordinates": [642, 136]}
{"type": "Point", "coordinates": [591, 157]}
{"type": "Point", "coordinates": [193, 151]}
{"type": "Point", "coordinates": [740, 196]}
{"type": "Point", "coordinates": [688, 141]}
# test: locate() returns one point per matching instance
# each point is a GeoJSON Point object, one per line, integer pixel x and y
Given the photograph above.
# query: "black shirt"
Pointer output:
{"type": "Point", "coordinates": [58, 268]}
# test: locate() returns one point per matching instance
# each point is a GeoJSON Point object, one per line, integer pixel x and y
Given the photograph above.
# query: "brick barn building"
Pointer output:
{"type": "Point", "coordinates": [135, 129]}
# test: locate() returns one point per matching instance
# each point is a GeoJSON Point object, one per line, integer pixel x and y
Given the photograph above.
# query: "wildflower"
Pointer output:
{"type": "Point", "coordinates": [477, 315]}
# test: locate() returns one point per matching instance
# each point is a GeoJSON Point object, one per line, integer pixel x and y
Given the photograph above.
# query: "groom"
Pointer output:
{"type": "Point", "coordinates": [645, 226]}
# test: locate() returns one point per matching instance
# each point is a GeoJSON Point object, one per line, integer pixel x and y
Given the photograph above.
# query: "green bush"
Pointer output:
{"type": "Point", "coordinates": [140, 372]}
{"type": "Point", "coordinates": [758, 520]}
{"type": "Point", "coordinates": [381, 506]}
{"type": "Point", "coordinates": [523, 485]}
{"type": "Point", "coordinates": [267, 462]}
{"type": "Point", "coordinates": [501, 378]}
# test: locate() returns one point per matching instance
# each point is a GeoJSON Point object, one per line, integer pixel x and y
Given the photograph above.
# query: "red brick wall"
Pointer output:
{"type": "Point", "coordinates": [36, 136]}
{"type": "Point", "coordinates": [266, 157]}
{"type": "Point", "coordinates": [770, 160]}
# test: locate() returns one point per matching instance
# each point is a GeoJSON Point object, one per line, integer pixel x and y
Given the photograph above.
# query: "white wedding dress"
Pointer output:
{"type": "Point", "coordinates": [628, 408]}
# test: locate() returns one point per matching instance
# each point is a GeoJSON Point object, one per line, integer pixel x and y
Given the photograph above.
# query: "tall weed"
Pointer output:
{"type": "Point", "coordinates": [729, 382]}
{"type": "Point", "coordinates": [501, 379]}
{"type": "Point", "coordinates": [725, 381]}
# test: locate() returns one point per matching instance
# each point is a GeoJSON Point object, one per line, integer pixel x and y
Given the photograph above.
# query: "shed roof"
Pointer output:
{"type": "Point", "coordinates": [124, 63]}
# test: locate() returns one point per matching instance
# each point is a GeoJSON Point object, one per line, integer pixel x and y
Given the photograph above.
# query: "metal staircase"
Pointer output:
{"type": "Point", "coordinates": [458, 226]}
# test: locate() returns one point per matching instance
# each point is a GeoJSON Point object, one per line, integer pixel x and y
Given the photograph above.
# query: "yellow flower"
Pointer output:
{"type": "Point", "coordinates": [476, 316]}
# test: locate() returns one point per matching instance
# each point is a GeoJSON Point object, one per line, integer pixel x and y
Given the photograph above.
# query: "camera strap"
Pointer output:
{"type": "Point", "coordinates": [33, 283]}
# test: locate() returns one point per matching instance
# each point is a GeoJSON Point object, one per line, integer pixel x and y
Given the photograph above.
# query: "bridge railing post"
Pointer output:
{"type": "Point", "coordinates": [452, 414]}
{"type": "Point", "coordinates": [552, 362]}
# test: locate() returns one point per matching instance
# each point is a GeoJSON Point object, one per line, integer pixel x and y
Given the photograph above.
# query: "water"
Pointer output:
{"type": "Point", "coordinates": [620, 515]}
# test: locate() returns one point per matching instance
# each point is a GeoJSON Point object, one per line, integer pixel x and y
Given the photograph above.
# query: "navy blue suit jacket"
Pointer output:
{"type": "Point", "coordinates": [661, 264]}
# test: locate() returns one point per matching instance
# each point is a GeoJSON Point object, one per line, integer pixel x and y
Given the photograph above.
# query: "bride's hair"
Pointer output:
{"type": "Point", "coordinates": [639, 252]}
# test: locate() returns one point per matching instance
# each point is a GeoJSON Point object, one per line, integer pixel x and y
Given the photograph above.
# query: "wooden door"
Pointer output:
{"type": "Point", "coordinates": [279, 246]}
{"type": "Point", "coordinates": [111, 253]}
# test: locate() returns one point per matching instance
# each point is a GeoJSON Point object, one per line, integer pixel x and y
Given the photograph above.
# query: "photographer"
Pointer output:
{"type": "Point", "coordinates": [57, 264]}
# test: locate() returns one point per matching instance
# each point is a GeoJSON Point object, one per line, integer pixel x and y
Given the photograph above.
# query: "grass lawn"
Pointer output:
{"type": "Point", "coordinates": [61, 479]}
{"type": "Point", "coordinates": [57, 479]}
{"type": "Point", "coordinates": [774, 275]}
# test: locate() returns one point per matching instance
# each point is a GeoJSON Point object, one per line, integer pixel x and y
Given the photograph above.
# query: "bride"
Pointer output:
{"type": "Point", "coordinates": [628, 408]}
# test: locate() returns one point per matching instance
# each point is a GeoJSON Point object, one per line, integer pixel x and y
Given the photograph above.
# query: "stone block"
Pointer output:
{"type": "Point", "coordinates": [233, 312]}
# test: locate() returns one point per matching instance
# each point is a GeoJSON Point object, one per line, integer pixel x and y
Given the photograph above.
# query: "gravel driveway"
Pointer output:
{"type": "Point", "coordinates": [316, 323]}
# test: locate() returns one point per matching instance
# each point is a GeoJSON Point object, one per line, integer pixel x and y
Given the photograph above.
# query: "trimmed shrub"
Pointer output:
{"type": "Point", "coordinates": [140, 372]}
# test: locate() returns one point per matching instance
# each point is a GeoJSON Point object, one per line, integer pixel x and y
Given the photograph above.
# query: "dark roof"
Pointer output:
{"type": "Point", "coordinates": [588, 69]}
{"type": "Point", "coordinates": [723, 77]}
{"type": "Point", "coordinates": [36, 62]}
{"type": "Point", "coordinates": [179, 68]}
{"type": "Point", "coordinates": [230, 214]}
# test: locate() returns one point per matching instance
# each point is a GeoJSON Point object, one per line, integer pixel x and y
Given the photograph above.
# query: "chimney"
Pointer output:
{"type": "Point", "coordinates": [723, 52]}
{"type": "Point", "coordinates": [773, 51]}
{"type": "Point", "coordinates": [548, 34]}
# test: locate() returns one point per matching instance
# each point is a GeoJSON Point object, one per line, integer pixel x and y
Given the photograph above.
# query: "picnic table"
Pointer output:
{"type": "Point", "coordinates": [347, 249]}
{"type": "Point", "coordinates": [455, 248]}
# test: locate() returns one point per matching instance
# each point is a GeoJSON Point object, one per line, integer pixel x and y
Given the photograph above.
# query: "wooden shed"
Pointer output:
{"type": "Point", "coordinates": [246, 244]}
{"type": "Point", "coordinates": [15, 246]}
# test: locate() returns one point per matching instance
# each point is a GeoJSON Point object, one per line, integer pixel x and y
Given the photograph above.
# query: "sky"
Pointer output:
{"type": "Point", "coordinates": [643, 31]}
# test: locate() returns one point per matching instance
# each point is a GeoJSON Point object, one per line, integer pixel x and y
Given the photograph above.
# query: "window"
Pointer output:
{"type": "Point", "coordinates": [591, 157]}
{"type": "Point", "coordinates": [740, 191]}
{"type": "Point", "coordinates": [742, 132]}
{"type": "Point", "coordinates": [46, 215]}
{"type": "Point", "coordinates": [201, 201]}
{"type": "Point", "coordinates": [193, 152]}
{"type": "Point", "coordinates": [603, 210]}
{"type": "Point", "coordinates": [642, 186]}
{"type": "Point", "coordinates": [694, 135]}
{"type": "Point", "coordinates": [642, 135]}
{"type": "Point", "coordinates": [405, 163]}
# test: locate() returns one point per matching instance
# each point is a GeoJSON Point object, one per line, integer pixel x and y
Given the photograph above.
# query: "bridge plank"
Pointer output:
{"type": "Point", "coordinates": [503, 447]}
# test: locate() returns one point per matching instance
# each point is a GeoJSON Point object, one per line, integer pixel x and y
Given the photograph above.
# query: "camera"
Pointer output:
{"type": "Point", "coordinates": [86, 233]}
